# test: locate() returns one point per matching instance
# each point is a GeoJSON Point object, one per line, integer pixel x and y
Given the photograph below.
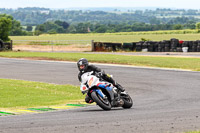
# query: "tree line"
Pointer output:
{"type": "Point", "coordinates": [53, 27]}
{"type": "Point", "coordinates": [35, 16]}
{"type": "Point", "coordinates": [22, 20]}
{"type": "Point", "coordinates": [10, 26]}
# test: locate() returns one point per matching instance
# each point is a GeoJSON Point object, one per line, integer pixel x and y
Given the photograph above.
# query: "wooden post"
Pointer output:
{"type": "Point", "coordinates": [11, 44]}
{"type": "Point", "coordinates": [92, 45]}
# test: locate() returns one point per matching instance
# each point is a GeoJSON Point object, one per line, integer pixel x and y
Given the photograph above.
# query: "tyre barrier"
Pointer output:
{"type": "Point", "coordinates": [172, 45]}
{"type": "Point", "coordinates": [5, 45]}
{"type": "Point", "coordinates": [106, 46]}
{"type": "Point", "coordinates": [1, 45]}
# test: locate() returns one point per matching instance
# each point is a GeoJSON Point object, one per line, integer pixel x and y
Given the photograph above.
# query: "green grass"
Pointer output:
{"type": "Point", "coordinates": [18, 94]}
{"type": "Point", "coordinates": [193, 132]}
{"type": "Point", "coordinates": [107, 37]}
{"type": "Point", "coordinates": [188, 63]}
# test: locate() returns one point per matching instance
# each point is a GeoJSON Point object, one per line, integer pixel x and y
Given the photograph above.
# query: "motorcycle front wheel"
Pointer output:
{"type": "Point", "coordinates": [104, 104]}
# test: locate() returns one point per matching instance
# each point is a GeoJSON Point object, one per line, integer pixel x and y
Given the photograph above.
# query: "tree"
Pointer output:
{"type": "Point", "coordinates": [50, 27]}
{"type": "Point", "coordinates": [101, 29]}
{"type": "Point", "coordinates": [5, 28]}
{"type": "Point", "coordinates": [64, 24]}
{"type": "Point", "coordinates": [71, 29]}
{"type": "Point", "coordinates": [40, 28]}
{"type": "Point", "coordinates": [29, 28]}
{"type": "Point", "coordinates": [81, 28]}
{"type": "Point", "coordinates": [177, 27]}
{"type": "Point", "coordinates": [198, 27]}
{"type": "Point", "coordinates": [16, 28]}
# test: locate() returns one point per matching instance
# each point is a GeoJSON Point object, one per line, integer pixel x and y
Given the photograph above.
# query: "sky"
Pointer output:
{"type": "Point", "coordinates": [186, 4]}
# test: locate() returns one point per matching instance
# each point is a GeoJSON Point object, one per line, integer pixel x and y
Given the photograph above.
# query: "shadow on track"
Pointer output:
{"type": "Point", "coordinates": [98, 109]}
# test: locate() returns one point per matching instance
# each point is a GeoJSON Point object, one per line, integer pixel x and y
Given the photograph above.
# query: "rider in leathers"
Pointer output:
{"type": "Point", "coordinates": [84, 67]}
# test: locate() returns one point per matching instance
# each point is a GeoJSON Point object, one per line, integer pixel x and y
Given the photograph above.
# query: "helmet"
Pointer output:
{"type": "Point", "coordinates": [82, 62]}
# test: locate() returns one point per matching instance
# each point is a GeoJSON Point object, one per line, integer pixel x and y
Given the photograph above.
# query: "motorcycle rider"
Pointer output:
{"type": "Point", "coordinates": [83, 66]}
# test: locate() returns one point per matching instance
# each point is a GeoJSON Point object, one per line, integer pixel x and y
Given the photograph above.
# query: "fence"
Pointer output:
{"type": "Point", "coordinates": [51, 45]}
{"type": "Point", "coordinates": [173, 45]}
{"type": "Point", "coordinates": [49, 42]}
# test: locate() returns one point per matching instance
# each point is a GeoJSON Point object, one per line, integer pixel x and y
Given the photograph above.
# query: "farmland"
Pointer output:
{"type": "Point", "coordinates": [108, 37]}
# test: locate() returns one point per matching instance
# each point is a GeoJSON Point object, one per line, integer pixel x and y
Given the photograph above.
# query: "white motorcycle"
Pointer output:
{"type": "Point", "coordinates": [103, 92]}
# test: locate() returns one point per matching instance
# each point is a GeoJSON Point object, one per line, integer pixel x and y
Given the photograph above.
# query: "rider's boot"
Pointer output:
{"type": "Point", "coordinates": [119, 87]}
{"type": "Point", "coordinates": [88, 99]}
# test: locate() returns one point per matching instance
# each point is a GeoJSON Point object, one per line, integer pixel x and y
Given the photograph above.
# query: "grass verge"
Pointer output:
{"type": "Point", "coordinates": [193, 132]}
{"type": "Point", "coordinates": [188, 63]}
{"type": "Point", "coordinates": [111, 37]}
{"type": "Point", "coordinates": [24, 94]}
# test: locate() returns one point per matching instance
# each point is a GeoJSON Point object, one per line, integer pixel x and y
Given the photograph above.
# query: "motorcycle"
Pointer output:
{"type": "Point", "coordinates": [104, 93]}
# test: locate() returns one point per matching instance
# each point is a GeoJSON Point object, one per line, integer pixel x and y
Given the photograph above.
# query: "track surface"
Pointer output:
{"type": "Point", "coordinates": [164, 101]}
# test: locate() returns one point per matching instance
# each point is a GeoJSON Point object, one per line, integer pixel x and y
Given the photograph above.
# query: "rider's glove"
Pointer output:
{"type": "Point", "coordinates": [83, 88]}
{"type": "Point", "coordinates": [83, 92]}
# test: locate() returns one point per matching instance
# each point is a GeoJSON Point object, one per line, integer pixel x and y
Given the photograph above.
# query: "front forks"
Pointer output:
{"type": "Point", "coordinates": [100, 93]}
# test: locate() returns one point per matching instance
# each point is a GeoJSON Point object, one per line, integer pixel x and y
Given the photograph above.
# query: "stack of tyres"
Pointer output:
{"type": "Point", "coordinates": [150, 46]}
{"type": "Point", "coordinates": [174, 45]}
{"type": "Point", "coordinates": [108, 46]}
{"type": "Point", "coordinates": [7, 46]}
{"type": "Point", "coordinates": [167, 45]}
{"type": "Point", "coordinates": [179, 49]}
{"type": "Point", "coordinates": [190, 44]}
{"type": "Point", "coordinates": [194, 46]}
{"type": "Point", "coordinates": [155, 46]}
{"type": "Point", "coordinates": [145, 46]}
{"type": "Point", "coordinates": [139, 46]}
{"type": "Point", "coordinates": [112, 46]}
{"type": "Point", "coordinates": [185, 44]}
{"type": "Point", "coordinates": [1, 45]}
{"type": "Point", "coordinates": [128, 46]}
{"type": "Point", "coordinates": [198, 45]}
{"type": "Point", "coordinates": [161, 47]}
{"type": "Point", "coordinates": [134, 46]}
{"type": "Point", "coordinates": [117, 46]}
{"type": "Point", "coordinates": [98, 46]}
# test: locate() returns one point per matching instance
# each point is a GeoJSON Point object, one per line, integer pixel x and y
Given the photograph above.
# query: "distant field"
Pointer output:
{"type": "Point", "coordinates": [107, 37]}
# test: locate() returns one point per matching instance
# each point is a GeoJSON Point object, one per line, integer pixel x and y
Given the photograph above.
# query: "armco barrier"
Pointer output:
{"type": "Point", "coordinates": [5, 45]}
{"type": "Point", "coordinates": [173, 45]}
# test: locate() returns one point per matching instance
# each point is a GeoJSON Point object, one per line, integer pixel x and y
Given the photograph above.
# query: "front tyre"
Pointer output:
{"type": "Point", "coordinates": [128, 102]}
{"type": "Point", "coordinates": [104, 104]}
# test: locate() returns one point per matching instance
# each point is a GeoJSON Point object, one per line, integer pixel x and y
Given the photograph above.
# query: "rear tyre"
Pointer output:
{"type": "Point", "coordinates": [128, 102]}
{"type": "Point", "coordinates": [104, 104]}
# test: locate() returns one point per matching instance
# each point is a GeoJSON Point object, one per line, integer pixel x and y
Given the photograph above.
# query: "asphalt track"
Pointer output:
{"type": "Point", "coordinates": [164, 101]}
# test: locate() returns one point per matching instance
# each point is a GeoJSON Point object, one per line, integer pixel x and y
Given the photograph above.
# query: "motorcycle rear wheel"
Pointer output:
{"type": "Point", "coordinates": [128, 102]}
{"type": "Point", "coordinates": [105, 105]}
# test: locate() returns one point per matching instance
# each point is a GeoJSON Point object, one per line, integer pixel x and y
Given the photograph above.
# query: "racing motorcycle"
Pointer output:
{"type": "Point", "coordinates": [104, 93]}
